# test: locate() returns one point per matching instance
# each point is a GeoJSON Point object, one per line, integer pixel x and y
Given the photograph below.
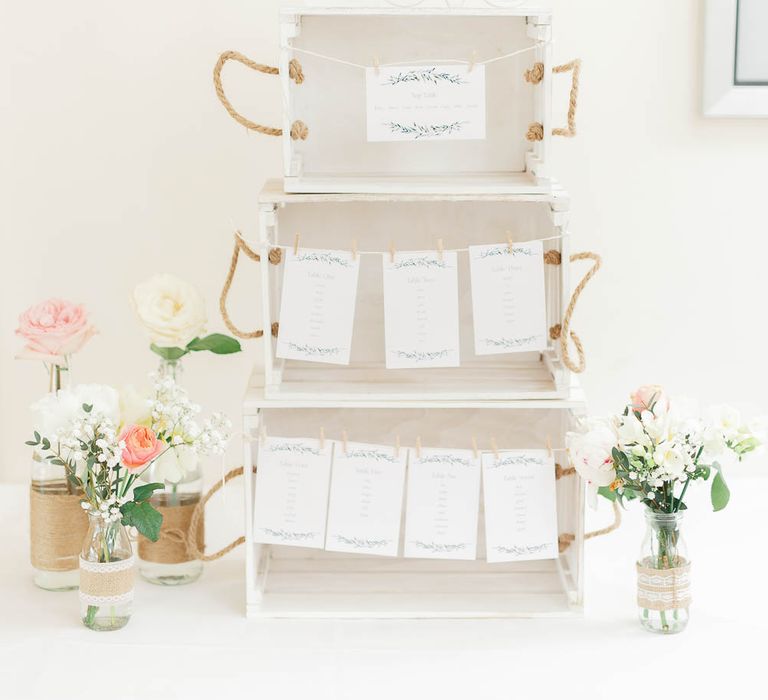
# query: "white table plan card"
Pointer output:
{"type": "Point", "coordinates": [425, 103]}
{"type": "Point", "coordinates": [317, 307]}
{"type": "Point", "coordinates": [508, 297]}
{"type": "Point", "coordinates": [421, 309]}
{"type": "Point", "coordinates": [366, 502]}
{"type": "Point", "coordinates": [442, 504]}
{"type": "Point", "coordinates": [520, 505]}
{"type": "Point", "coordinates": [291, 499]}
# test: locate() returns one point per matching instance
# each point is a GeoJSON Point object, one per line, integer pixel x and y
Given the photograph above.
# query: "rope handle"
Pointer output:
{"type": "Point", "coordinates": [299, 130]}
{"type": "Point", "coordinates": [535, 75]}
{"type": "Point", "coordinates": [192, 547]}
{"type": "Point", "coordinates": [563, 331]}
{"type": "Point", "coordinates": [575, 69]}
{"type": "Point", "coordinates": [275, 255]}
{"type": "Point", "coordinates": [564, 541]}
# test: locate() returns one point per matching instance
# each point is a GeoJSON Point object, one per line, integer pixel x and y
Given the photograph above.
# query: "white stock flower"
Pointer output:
{"type": "Point", "coordinates": [172, 310]}
{"type": "Point", "coordinates": [174, 464]}
{"type": "Point", "coordinates": [725, 418]}
{"type": "Point", "coordinates": [672, 460]}
{"type": "Point", "coordinates": [135, 406]}
{"type": "Point", "coordinates": [629, 431]}
{"type": "Point", "coordinates": [55, 413]}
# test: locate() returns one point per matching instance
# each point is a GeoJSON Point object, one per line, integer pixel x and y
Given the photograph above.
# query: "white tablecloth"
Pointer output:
{"type": "Point", "coordinates": [194, 641]}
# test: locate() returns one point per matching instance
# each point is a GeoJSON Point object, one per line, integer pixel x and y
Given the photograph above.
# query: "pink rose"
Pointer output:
{"type": "Point", "coordinates": [141, 447]}
{"type": "Point", "coordinates": [53, 330]}
{"type": "Point", "coordinates": [649, 395]}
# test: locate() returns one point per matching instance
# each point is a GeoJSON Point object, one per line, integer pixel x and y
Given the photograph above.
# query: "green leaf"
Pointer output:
{"type": "Point", "coordinates": [58, 462]}
{"type": "Point", "coordinates": [720, 493]}
{"type": "Point", "coordinates": [31, 443]}
{"type": "Point", "coordinates": [46, 444]}
{"type": "Point", "coordinates": [37, 436]}
{"type": "Point", "coordinates": [605, 492]}
{"type": "Point", "coordinates": [217, 343]}
{"type": "Point", "coordinates": [169, 353]}
{"type": "Point", "coordinates": [87, 407]}
{"type": "Point", "coordinates": [143, 517]}
{"type": "Point", "coordinates": [144, 492]}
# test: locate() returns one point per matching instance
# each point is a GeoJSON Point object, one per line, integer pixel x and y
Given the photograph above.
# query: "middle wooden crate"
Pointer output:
{"type": "Point", "coordinates": [413, 222]}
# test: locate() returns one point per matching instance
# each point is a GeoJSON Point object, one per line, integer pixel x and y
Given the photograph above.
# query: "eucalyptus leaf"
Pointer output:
{"type": "Point", "coordinates": [720, 493]}
{"type": "Point", "coordinates": [605, 492]}
{"type": "Point", "coordinates": [143, 517]}
{"type": "Point", "coordinates": [217, 343]}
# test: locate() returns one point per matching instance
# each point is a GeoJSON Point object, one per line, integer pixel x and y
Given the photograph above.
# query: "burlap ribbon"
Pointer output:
{"type": "Point", "coordinates": [58, 526]}
{"type": "Point", "coordinates": [171, 546]}
{"type": "Point", "coordinates": [108, 582]}
{"type": "Point", "coordinates": [663, 589]}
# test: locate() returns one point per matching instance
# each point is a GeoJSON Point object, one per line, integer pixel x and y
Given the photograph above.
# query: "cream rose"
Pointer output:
{"type": "Point", "coordinates": [172, 310]}
{"type": "Point", "coordinates": [174, 464]}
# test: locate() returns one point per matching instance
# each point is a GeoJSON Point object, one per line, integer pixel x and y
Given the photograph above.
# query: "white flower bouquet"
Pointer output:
{"type": "Point", "coordinates": [653, 450]}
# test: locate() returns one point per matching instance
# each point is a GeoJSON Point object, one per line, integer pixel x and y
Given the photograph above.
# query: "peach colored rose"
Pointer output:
{"type": "Point", "coordinates": [141, 447]}
{"type": "Point", "coordinates": [54, 329]}
{"type": "Point", "coordinates": [647, 395]}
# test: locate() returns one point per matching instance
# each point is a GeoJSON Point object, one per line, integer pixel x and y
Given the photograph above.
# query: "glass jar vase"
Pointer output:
{"type": "Point", "coordinates": [168, 561]}
{"type": "Point", "coordinates": [57, 526]}
{"type": "Point", "coordinates": [663, 575]}
{"type": "Point", "coordinates": [106, 574]}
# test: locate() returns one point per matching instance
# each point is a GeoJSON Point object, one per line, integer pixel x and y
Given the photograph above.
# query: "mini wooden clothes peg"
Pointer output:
{"type": "Point", "coordinates": [510, 244]}
{"type": "Point", "coordinates": [549, 446]}
{"type": "Point", "coordinates": [474, 447]}
{"type": "Point", "coordinates": [397, 446]}
{"type": "Point", "coordinates": [418, 447]}
{"type": "Point", "coordinates": [376, 65]}
{"type": "Point", "coordinates": [344, 442]}
{"type": "Point", "coordinates": [354, 249]}
{"type": "Point", "coordinates": [440, 249]}
{"type": "Point", "coordinates": [472, 61]}
{"type": "Point", "coordinates": [296, 244]}
{"type": "Point", "coordinates": [494, 447]}
{"type": "Point", "coordinates": [392, 251]}
{"type": "Point", "coordinates": [322, 438]}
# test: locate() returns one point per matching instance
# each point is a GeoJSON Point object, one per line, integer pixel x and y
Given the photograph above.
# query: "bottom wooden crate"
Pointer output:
{"type": "Point", "coordinates": [325, 585]}
{"type": "Point", "coordinates": [283, 581]}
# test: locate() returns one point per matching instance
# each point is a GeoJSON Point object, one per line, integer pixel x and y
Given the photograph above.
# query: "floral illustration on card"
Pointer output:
{"type": "Point", "coordinates": [425, 131]}
{"type": "Point", "coordinates": [424, 75]}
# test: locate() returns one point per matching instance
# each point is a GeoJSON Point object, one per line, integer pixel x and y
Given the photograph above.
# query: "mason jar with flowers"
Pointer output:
{"type": "Point", "coordinates": [53, 331]}
{"type": "Point", "coordinates": [652, 452]}
{"type": "Point", "coordinates": [172, 312]}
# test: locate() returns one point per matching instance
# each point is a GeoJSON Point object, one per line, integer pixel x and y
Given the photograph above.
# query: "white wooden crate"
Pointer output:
{"type": "Point", "coordinates": [297, 582]}
{"type": "Point", "coordinates": [413, 222]}
{"type": "Point", "coordinates": [328, 106]}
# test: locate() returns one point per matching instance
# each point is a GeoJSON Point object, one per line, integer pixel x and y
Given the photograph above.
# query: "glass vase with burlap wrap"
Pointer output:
{"type": "Point", "coordinates": [663, 575]}
{"type": "Point", "coordinates": [107, 568]}
{"type": "Point", "coordinates": [168, 561]}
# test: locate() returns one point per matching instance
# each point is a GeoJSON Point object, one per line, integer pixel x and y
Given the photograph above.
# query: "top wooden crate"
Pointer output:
{"type": "Point", "coordinates": [329, 152]}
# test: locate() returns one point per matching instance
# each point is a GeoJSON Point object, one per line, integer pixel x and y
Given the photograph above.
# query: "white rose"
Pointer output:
{"type": "Point", "coordinates": [590, 455]}
{"type": "Point", "coordinates": [172, 310]}
{"type": "Point", "coordinates": [174, 464]}
{"type": "Point", "coordinates": [725, 418]}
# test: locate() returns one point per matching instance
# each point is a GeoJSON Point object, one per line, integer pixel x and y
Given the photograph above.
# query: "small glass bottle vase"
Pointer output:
{"type": "Point", "coordinates": [169, 562]}
{"type": "Point", "coordinates": [663, 575]}
{"type": "Point", "coordinates": [106, 575]}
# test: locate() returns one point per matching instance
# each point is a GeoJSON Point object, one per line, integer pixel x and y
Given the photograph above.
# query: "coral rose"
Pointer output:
{"type": "Point", "coordinates": [54, 329]}
{"type": "Point", "coordinates": [141, 447]}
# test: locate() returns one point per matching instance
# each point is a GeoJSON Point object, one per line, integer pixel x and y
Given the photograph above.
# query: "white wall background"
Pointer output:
{"type": "Point", "coordinates": [117, 162]}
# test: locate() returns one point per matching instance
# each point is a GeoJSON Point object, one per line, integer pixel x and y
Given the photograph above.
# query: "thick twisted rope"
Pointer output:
{"type": "Point", "coordinates": [299, 129]}
{"type": "Point", "coordinates": [275, 256]}
{"type": "Point", "coordinates": [536, 129]}
{"type": "Point", "coordinates": [563, 331]}
{"type": "Point", "coordinates": [564, 541]}
{"type": "Point", "coordinates": [195, 551]}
